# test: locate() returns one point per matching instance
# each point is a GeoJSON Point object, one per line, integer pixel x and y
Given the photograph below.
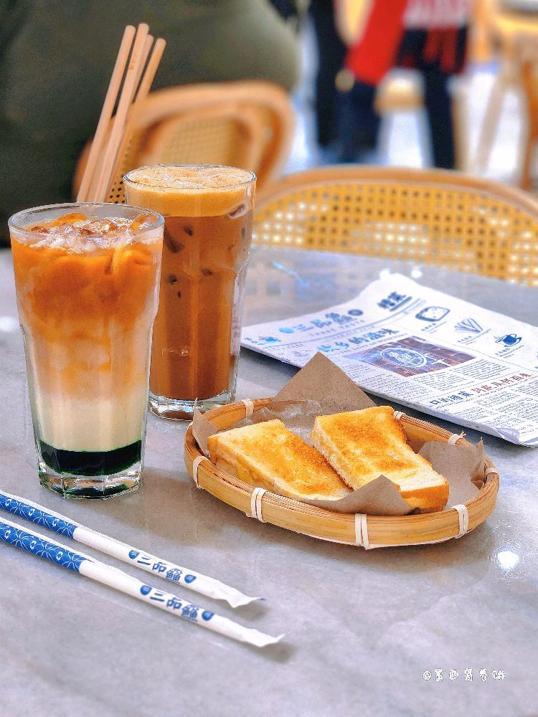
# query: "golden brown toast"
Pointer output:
{"type": "Point", "coordinates": [361, 445]}
{"type": "Point", "coordinates": [268, 455]}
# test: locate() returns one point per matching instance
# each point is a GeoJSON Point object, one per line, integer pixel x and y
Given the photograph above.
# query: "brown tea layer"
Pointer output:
{"type": "Point", "coordinates": [61, 292]}
{"type": "Point", "coordinates": [204, 261]}
{"type": "Point", "coordinates": [86, 311]}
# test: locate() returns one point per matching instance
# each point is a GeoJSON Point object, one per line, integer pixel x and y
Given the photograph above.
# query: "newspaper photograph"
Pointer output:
{"type": "Point", "coordinates": [422, 348]}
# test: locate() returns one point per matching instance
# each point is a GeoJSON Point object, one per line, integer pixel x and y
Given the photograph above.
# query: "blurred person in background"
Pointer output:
{"type": "Point", "coordinates": [56, 58]}
{"type": "Point", "coordinates": [426, 35]}
{"type": "Point", "coordinates": [331, 55]}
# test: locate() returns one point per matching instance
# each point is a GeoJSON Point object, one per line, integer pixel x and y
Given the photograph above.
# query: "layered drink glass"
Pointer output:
{"type": "Point", "coordinates": [197, 333]}
{"type": "Point", "coordinates": [87, 279]}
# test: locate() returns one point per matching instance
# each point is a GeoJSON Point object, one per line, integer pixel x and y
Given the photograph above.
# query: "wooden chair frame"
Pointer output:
{"type": "Point", "coordinates": [517, 37]}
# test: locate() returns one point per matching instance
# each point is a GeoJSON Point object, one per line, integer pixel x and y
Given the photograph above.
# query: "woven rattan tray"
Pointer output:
{"type": "Point", "coordinates": [369, 531]}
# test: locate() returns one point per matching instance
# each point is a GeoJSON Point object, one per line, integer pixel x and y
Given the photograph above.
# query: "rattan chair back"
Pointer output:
{"type": "Point", "coordinates": [245, 124]}
{"type": "Point", "coordinates": [429, 217]}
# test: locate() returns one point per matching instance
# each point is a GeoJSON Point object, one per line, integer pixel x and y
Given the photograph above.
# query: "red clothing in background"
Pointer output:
{"type": "Point", "coordinates": [377, 49]}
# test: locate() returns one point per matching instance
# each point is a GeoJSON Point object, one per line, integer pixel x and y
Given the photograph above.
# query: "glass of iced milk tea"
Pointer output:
{"type": "Point", "coordinates": [196, 338]}
{"type": "Point", "coordinates": [87, 280]}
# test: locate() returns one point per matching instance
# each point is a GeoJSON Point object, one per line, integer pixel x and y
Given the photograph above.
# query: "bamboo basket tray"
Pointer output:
{"type": "Point", "coordinates": [369, 531]}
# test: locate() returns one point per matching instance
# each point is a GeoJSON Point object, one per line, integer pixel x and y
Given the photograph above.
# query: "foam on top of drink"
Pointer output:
{"type": "Point", "coordinates": [189, 190]}
{"type": "Point", "coordinates": [192, 178]}
{"type": "Point", "coordinates": [80, 233]}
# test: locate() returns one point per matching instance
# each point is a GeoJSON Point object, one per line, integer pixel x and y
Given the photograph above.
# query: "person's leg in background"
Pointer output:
{"type": "Point", "coordinates": [436, 96]}
{"type": "Point", "coordinates": [369, 58]}
{"type": "Point", "coordinates": [438, 56]}
{"type": "Point", "coordinates": [359, 122]}
{"type": "Point", "coordinates": [438, 106]}
{"type": "Point", "coordinates": [331, 54]}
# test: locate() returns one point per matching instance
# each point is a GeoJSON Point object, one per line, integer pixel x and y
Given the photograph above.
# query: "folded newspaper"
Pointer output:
{"type": "Point", "coordinates": [422, 348]}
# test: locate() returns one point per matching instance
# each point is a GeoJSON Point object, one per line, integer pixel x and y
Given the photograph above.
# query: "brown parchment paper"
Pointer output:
{"type": "Point", "coordinates": [321, 388]}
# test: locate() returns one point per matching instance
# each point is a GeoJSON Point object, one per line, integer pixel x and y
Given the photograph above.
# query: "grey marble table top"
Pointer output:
{"type": "Point", "coordinates": [362, 627]}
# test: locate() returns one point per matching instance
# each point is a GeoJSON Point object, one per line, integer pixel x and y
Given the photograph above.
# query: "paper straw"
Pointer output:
{"type": "Point", "coordinates": [117, 127]}
{"type": "Point", "coordinates": [200, 583]}
{"type": "Point", "coordinates": [41, 547]}
{"type": "Point", "coordinates": [105, 118]}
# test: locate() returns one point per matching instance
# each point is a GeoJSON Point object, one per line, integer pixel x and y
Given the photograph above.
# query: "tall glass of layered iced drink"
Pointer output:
{"type": "Point", "coordinates": [87, 280]}
{"type": "Point", "coordinates": [208, 217]}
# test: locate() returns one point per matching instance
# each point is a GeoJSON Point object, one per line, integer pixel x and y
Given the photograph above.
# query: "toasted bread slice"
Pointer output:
{"type": "Point", "coordinates": [268, 455]}
{"type": "Point", "coordinates": [361, 445]}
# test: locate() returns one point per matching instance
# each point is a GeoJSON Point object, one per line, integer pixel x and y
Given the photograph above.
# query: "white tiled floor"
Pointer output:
{"type": "Point", "coordinates": [402, 138]}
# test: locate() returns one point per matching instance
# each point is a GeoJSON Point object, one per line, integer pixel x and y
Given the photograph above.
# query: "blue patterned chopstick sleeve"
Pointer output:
{"type": "Point", "coordinates": [37, 516]}
{"type": "Point", "coordinates": [39, 547]}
